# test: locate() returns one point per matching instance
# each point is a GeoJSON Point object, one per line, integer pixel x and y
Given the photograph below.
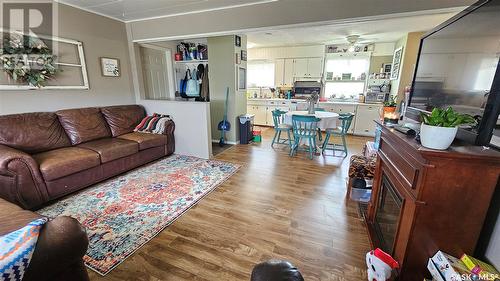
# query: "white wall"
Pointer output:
{"type": "Point", "coordinates": [101, 37]}
{"type": "Point", "coordinates": [192, 125]}
{"type": "Point", "coordinates": [278, 13]}
{"type": "Point", "coordinates": [272, 53]}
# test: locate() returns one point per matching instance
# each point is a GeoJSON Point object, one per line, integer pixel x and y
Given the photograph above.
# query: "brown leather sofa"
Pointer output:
{"type": "Point", "coordinates": [47, 155]}
{"type": "Point", "coordinates": [61, 244]}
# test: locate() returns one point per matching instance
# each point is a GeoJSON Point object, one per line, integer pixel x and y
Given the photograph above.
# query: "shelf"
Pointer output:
{"type": "Point", "coordinates": [191, 61]}
{"type": "Point", "coordinates": [346, 81]}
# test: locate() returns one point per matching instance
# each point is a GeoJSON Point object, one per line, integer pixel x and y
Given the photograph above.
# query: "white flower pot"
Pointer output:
{"type": "Point", "coordinates": [437, 137]}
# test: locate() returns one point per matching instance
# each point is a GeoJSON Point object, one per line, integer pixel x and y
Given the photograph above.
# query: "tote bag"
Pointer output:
{"type": "Point", "coordinates": [192, 85]}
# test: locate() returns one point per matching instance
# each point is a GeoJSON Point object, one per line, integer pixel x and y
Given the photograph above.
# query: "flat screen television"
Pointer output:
{"type": "Point", "coordinates": [458, 66]}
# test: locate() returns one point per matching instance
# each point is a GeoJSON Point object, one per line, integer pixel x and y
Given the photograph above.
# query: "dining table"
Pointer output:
{"type": "Point", "coordinates": [327, 119]}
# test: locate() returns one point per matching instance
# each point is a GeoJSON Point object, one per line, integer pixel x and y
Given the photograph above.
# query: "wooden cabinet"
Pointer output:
{"type": "Point", "coordinates": [315, 67]}
{"type": "Point", "coordinates": [288, 73]}
{"type": "Point", "coordinates": [260, 113]}
{"type": "Point", "coordinates": [363, 124]}
{"type": "Point", "coordinates": [262, 109]}
{"type": "Point", "coordinates": [426, 200]}
{"type": "Point", "coordinates": [341, 108]}
{"type": "Point", "coordinates": [279, 72]}
{"type": "Point", "coordinates": [308, 67]}
{"type": "Point", "coordinates": [283, 73]}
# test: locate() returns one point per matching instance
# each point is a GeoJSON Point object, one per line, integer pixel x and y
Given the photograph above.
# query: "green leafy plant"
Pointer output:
{"type": "Point", "coordinates": [446, 118]}
{"type": "Point", "coordinates": [391, 102]}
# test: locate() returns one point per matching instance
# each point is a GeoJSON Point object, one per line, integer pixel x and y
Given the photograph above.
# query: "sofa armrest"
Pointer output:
{"type": "Point", "coordinates": [13, 217]}
{"type": "Point", "coordinates": [58, 254]}
{"type": "Point", "coordinates": [169, 132]}
{"type": "Point", "coordinates": [61, 244]}
{"type": "Point", "coordinates": [20, 179]}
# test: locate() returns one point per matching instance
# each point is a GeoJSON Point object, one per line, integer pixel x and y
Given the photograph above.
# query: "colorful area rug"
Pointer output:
{"type": "Point", "coordinates": [125, 212]}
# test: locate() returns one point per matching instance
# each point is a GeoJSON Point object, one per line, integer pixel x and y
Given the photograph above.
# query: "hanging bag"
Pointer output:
{"type": "Point", "coordinates": [192, 85]}
{"type": "Point", "coordinates": [183, 83]}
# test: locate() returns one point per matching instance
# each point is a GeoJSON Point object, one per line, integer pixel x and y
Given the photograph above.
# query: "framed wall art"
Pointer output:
{"type": "Point", "coordinates": [110, 67]}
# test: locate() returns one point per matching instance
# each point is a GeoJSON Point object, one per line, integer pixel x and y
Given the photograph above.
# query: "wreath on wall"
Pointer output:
{"type": "Point", "coordinates": [28, 60]}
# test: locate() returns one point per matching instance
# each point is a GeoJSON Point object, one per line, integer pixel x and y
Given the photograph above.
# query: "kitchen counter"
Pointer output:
{"type": "Point", "coordinates": [258, 100]}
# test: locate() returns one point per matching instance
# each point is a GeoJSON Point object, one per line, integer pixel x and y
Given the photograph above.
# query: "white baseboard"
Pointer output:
{"type": "Point", "coordinates": [228, 142]}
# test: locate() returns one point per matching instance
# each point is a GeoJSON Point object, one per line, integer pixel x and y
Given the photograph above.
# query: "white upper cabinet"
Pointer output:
{"type": "Point", "coordinates": [308, 67]}
{"type": "Point", "coordinates": [288, 74]}
{"type": "Point", "coordinates": [279, 72]}
{"type": "Point", "coordinates": [315, 67]}
{"type": "Point", "coordinates": [300, 68]}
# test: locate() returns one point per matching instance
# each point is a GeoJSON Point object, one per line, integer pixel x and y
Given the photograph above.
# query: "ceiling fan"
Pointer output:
{"type": "Point", "coordinates": [353, 40]}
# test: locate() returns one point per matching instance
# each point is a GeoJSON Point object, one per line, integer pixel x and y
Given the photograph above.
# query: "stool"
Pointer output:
{"type": "Point", "coordinates": [276, 270]}
{"type": "Point", "coordinates": [360, 167]}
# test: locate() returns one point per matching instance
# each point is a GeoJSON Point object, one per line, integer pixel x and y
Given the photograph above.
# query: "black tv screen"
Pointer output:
{"type": "Point", "coordinates": [457, 65]}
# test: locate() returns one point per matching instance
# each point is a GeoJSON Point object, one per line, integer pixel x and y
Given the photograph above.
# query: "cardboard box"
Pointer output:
{"type": "Point", "coordinates": [451, 268]}
{"type": "Point", "coordinates": [436, 275]}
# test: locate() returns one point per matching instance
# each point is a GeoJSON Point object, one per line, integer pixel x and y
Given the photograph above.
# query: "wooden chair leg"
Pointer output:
{"type": "Point", "coordinates": [274, 138]}
{"type": "Point", "coordinates": [279, 136]}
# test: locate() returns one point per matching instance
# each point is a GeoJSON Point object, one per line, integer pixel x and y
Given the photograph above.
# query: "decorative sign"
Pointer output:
{"type": "Point", "coordinates": [110, 67]}
{"type": "Point", "coordinates": [396, 63]}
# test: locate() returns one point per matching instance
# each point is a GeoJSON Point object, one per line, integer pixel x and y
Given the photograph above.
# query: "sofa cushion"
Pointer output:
{"type": "Point", "coordinates": [146, 140]}
{"type": "Point", "coordinates": [122, 119]}
{"type": "Point", "coordinates": [32, 132]}
{"type": "Point", "coordinates": [112, 148]}
{"type": "Point", "coordinates": [83, 124]}
{"type": "Point", "coordinates": [61, 162]}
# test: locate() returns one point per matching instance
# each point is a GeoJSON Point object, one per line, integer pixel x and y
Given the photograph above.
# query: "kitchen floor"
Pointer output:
{"type": "Point", "coordinates": [275, 206]}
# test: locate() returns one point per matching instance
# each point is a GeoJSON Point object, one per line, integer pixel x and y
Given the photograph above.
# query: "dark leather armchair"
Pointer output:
{"type": "Point", "coordinates": [60, 247]}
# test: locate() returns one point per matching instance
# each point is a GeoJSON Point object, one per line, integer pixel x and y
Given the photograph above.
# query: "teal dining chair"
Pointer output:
{"type": "Point", "coordinates": [320, 135]}
{"type": "Point", "coordinates": [341, 131]}
{"type": "Point", "coordinates": [305, 128]}
{"type": "Point", "coordinates": [280, 126]}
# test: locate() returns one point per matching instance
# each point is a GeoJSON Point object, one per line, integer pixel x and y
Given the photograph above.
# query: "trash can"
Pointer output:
{"type": "Point", "coordinates": [246, 128]}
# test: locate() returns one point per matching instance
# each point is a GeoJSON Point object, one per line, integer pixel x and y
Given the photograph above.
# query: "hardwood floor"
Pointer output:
{"type": "Point", "coordinates": [275, 206]}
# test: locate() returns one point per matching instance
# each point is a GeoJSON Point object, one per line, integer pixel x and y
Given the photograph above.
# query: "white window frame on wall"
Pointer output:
{"type": "Point", "coordinates": [82, 65]}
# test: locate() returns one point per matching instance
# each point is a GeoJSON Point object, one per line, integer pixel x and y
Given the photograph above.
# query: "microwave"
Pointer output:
{"type": "Point", "coordinates": [376, 97]}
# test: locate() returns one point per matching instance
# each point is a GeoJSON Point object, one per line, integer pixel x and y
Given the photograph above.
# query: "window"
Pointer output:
{"type": "Point", "coordinates": [346, 75]}
{"type": "Point", "coordinates": [260, 74]}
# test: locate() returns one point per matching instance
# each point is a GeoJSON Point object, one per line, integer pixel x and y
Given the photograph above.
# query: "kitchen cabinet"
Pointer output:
{"type": "Point", "coordinates": [300, 68]}
{"type": "Point", "coordinates": [260, 113]}
{"type": "Point", "coordinates": [341, 108]}
{"type": "Point", "coordinates": [279, 72]}
{"type": "Point", "coordinates": [315, 67]}
{"type": "Point", "coordinates": [363, 124]}
{"type": "Point", "coordinates": [288, 74]}
{"type": "Point", "coordinates": [308, 67]}
{"type": "Point", "coordinates": [283, 73]}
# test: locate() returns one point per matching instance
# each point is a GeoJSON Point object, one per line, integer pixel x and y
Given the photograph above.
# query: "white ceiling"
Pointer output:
{"type": "Point", "coordinates": [131, 10]}
{"type": "Point", "coordinates": [384, 30]}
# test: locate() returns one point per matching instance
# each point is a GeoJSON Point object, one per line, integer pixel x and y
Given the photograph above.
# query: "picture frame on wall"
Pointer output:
{"type": "Point", "coordinates": [110, 67]}
{"type": "Point", "coordinates": [243, 55]}
{"type": "Point", "coordinates": [238, 60]}
{"type": "Point", "coordinates": [237, 41]}
{"type": "Point", "coordinates": [387, 67]}
{"type": "Point", "coordinates": [396, 63]}
{"type": "Point", "coordinates": [242, 78]}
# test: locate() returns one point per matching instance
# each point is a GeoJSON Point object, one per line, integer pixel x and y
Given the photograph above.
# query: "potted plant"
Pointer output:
{"type": "Point", "coordinates": [438, 129]}
{"type": "Point", "coordinates": [390, 104]}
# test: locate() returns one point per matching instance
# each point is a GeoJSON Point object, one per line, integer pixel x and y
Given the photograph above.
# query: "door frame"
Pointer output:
{"type": "Point", "coordinates": [168, 63]}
